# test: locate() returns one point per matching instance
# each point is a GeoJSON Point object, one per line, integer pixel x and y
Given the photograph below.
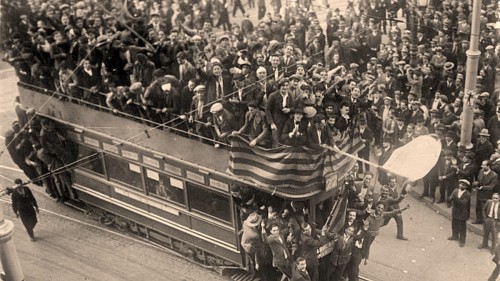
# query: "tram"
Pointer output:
{"type": "Point", "coordinates": [169, 189]}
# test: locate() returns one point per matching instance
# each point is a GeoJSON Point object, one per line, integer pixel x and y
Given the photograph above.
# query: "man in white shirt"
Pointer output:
{"type": "Point", "coordinates": [491, 214]}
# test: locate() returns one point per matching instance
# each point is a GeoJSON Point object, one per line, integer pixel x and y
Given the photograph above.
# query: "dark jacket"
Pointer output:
{"type": "Point", "coordinates": [460, 206]}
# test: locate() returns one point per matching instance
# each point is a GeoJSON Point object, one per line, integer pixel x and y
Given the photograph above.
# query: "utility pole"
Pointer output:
{"type": "Point", "coordinates": [471, 77]}
{"type": "Point", "coordinates": [8, 253]}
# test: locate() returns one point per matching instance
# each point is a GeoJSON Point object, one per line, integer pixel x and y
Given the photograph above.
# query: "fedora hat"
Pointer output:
{"type": "Point", "coordinates": [253, 219]}
{"type": "Point", "coordinates": [484, 132]}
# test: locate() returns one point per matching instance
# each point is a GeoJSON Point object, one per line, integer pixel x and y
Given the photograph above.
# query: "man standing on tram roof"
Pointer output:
{"type": "Point", "coordinates": [25, 206]}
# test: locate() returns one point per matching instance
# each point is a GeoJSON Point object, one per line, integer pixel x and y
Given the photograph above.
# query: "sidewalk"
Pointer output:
{"type": "Point", "coordinates": [443, 209]}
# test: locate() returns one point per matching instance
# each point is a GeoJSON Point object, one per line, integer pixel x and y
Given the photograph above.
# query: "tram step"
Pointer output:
{"type": "Point", "coordinates": [242, 276]}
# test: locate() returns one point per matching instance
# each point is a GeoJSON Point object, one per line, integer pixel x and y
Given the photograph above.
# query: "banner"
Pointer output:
{"type": "Point", "coordinates": [290, 167]}
{"type": "Point", "coordinates": [415, 159]}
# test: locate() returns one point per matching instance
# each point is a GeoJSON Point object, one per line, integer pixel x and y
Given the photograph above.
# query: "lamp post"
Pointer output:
{"type": "Point", "coordinates": [8, 253]}
{"type": "Point", "coordinates": [471, 77]}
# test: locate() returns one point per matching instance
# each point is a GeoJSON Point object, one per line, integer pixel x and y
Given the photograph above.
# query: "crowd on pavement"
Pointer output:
{"type": "Point", "coordinates": [285, 79]}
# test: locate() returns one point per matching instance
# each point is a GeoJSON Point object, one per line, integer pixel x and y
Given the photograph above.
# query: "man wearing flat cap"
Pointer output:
{"type": "Point", "coordinates": [460, 202]}
{"type": "Point", "coordinates": [223, 122]}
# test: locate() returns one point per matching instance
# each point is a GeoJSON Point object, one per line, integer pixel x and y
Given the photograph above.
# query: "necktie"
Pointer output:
{"type": "Point", "coordinates": [219, 88]}
{"type": "Point", "coordinates": [180, 72]}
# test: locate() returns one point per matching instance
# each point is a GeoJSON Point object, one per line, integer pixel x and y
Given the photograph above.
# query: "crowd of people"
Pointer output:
{"type": "Point", "coordinates": [285, 79]}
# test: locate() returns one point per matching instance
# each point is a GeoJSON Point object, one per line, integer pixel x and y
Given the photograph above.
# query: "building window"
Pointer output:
{"type": "Point", "coordinates": [90, 160]}
{"type": "Point", "coordinates": [124, 171]}
{"type": "Point", "coordinates": [165, 187]}
{"type": "Point", "coordinates": [209, 202]}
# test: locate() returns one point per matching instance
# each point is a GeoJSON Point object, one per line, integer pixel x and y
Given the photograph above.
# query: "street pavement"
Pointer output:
{"type": "Point", "coordinates": [72, 246]}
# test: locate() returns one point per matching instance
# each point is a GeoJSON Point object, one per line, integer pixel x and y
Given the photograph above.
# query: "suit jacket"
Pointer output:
{"type": "Point", "coordinates": [281, 254]}
{"type": "Point", "coordinates": [467, 172]}
{"type": "Point", "coordinates": [308, 248]}
{"type": "Point", "coordinates": [211, 85]}
{"type": "Point", "coordinates": [460, 206]}
{"type": "Point", "coordinates": [341, 253]}
{"type": "Point", "coordinates": [488, 182]}
{"type": "Point", "coordinates": [298, 140]}
{"type": "Point", "coordinates": [487, 208]}
{"type": "Point", "coordinates": [188, 72]}
{"type": "Point", "coordinates": [493, 126]}
{"type": "Point", "coordinates": [313, 140]}
{"type": "Point", "coordinates": [274, 107]}
{"type": "Point", "coordinates": [298, 275]}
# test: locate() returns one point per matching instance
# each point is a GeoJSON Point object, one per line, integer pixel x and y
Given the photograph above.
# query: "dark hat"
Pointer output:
{"type": "Point", "coordinates": [283, 81]}
{"type": "Point", "coordinates": [295, 77]}
{"type": "Point", "coordinates": [238, 77]}
{"type": "Point", "coordinates": [469, 154]}
{"type": "Point", "coordinates": [181, 55]}
{"type": "Point", "coordinates": [298, 109]}
{"type": "Point", "coordinates": [253, 104]}
{"type": "Point", "coordinates": [305, 87]}
{"type": "Point", "coordinates": [450, 134]}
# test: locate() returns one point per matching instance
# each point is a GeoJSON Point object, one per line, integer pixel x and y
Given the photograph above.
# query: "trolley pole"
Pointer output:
{"type": "Point", "coordinates": [471, 77]}
{"type": "Point", "coordinates": [8, 253]}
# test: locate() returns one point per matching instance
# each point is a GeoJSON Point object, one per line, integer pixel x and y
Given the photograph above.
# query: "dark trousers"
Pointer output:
{"type": "Point", "coordinates": [335, 272]}
{"type": "Point", "coordinates": [364, 154]}
{"type": "Point", "coordinates": [430, 184]}
{"type": "Point", "coordinates": [494, 274]}
{"type": "Point", "coordinates": [367, 243]}
{"type": "Point", "coordinates": [490, 228]}
{"type": "Point", "coordinates": [261, 12]}
{"type": "Point", "coordinates": [459, 229]}
{"type": "Point", "coordinates": [479, 209]}
{"type": "Point", "coordinates": [251, 4]}
{"type": "Point", "coordinates": [399, 223]}
{"type": "Point", "coordinates": [352, 268]}
{"type": "Point", "coordinates": [238, 5]}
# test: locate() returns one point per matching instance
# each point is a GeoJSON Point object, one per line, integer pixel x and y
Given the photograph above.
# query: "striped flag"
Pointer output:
{"type": "Point", "coordinates": [335, 223]}
{"type": "Point", "coordinates": [291, 167]}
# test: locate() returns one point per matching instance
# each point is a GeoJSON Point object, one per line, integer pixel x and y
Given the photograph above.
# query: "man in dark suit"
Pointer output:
{"type": "Point", "coordinates": [218, 85]}
{"type": "Point", "coordinates": [317, 135]}
{"type": "Point", "coordinates": [184, 70]}
{"type": "Point", "coordinates": [309, 245]}
{"type": "Point", "coordinates": [299, 272]}
{"type": "Point", "coordinates": [496, 260]}
{"type": "Point", "coordinates": [278, 110]}
{"type": "Point", "coordinates": [486, 182]}
{"type": "Point", "coordinates": [295, 130]}
{"type": "Point", "coordinates": [491, 215]}
{"type": "Point", "coordinates": [366, 136]}
{"type": "Point", "coordinates": [447, 88]}
{"type": "Point", "coordinates": [341, 254]}
{"type": "Point", "coordinates": [25, 206]}
{"type": "Point", "coordinates": [467, 169]}
{"type": "Point", "coordinates": [460, 201]}
{"type": "Point", "coordinates": [493, 126]}
{"type": "Point", "coordinates": [279, 249]}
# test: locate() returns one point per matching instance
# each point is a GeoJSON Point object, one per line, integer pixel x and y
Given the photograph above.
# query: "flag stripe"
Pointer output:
{"type": "Point", "coordinates": [282, 174]}
{"type": "Point", "coordinates": [289, 167]}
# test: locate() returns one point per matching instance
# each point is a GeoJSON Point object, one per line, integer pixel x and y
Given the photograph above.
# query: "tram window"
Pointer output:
{"type": "Point", "coordinates": [165, 187]}
{"type": "Point", "coordinates": [124, 171]}
{"type": "Point", "coordinates": [90, 160]}
{"type": "Point", "coordinates": [209, 202]}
